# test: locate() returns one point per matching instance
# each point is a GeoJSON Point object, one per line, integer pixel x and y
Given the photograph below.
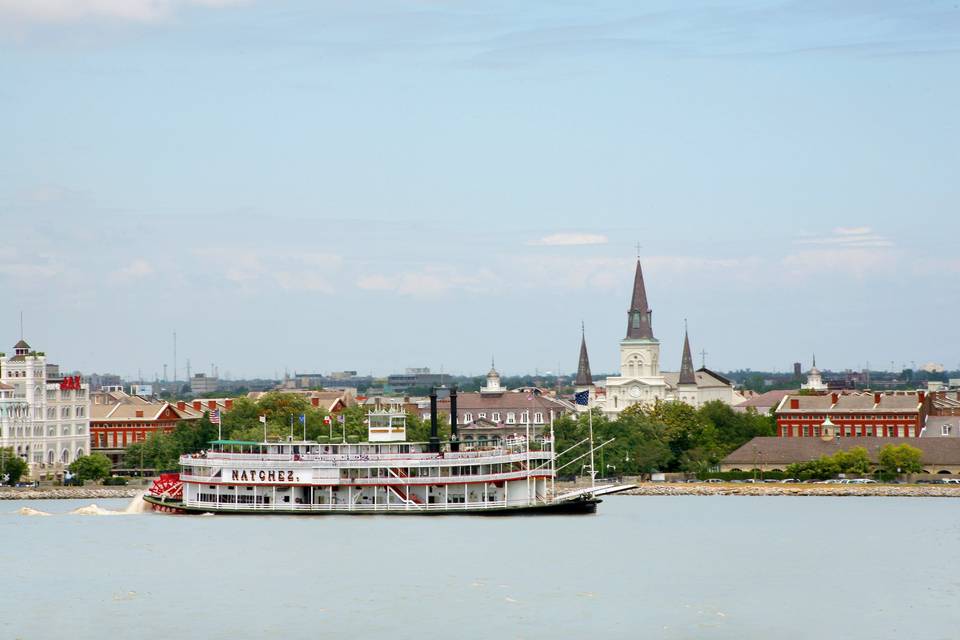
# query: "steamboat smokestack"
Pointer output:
{"type": "Point", "coordinates": [434, 446]}
{"type": "Point", "coordinates": [454, 436]}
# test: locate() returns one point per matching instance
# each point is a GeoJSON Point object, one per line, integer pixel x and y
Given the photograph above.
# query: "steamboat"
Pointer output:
{"type": "Point", "coordinates": [385, 475]}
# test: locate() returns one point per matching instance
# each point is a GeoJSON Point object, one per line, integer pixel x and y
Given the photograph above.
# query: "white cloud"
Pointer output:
{"type": "Point", "coordinates": [429, 282]}
{"type": "Point", "coordinates": [61, 11]}
{"type": "Point", "coordinates": [848, 237]}
{"type": "Point", "coordinates": [136, 270]}
{"type": "Point", "coordinates": [838, 262]}
{"type": "Point", "coordinates": [569, 240]}
{"type": "Point", "coordinates": [24, 271]}
{"type": "Point", "coordinates": [254, 269]}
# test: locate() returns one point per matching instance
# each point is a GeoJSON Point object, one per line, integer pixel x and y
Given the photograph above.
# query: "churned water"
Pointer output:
{"type": "Point", "coordinates": [643, 567]}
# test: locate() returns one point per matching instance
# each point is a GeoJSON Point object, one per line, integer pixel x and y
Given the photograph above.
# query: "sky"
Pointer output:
{"type": "Point", "coordinates": [322, 185]}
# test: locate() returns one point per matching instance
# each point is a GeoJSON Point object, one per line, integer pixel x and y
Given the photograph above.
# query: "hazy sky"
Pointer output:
{"type": "Point", "coordinates": [320, 185]}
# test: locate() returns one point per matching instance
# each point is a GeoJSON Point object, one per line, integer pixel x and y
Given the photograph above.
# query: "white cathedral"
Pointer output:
{"type": "Point", "coordinates": [640, 380]}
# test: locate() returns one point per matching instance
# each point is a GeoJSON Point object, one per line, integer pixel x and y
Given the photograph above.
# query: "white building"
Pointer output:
{"type": "Point", "coordinates": [45, 421]}
{"type": "Point", "coordinates": [641, 381]}
{"type": "Point", "coordinates": [814, 379]}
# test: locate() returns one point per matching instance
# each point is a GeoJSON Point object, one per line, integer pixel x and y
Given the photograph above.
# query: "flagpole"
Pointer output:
{"type": "Point", "coordinates": [304, 416]}
{"type": "Point", "coordinates": [593, 470]}
{"type": "Point", "coordinates": [219, 425]}
{"type": "Point", "coordinates": [553, 459]}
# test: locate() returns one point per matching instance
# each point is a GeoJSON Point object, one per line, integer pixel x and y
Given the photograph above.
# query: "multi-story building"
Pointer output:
{"type": "Point", "coordinates": [201, 384]}
{"type": "Point", "coordinates": [45, 420]}
{"type": "Point", "coordinates": [496, 412]}
{"type": "Point", "coordinates": [894, 414]}
{"type": "Point", "coordinates": [119, 419]}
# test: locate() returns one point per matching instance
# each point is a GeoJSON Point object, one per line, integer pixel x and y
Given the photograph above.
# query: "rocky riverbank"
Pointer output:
{"type": "Point", "coordinates": [860, 490]}
{"type": "Point", "coordinates": [67, 493]}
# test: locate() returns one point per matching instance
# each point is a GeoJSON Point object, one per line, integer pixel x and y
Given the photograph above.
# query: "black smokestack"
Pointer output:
{"type": "Point", "coordinates": [454, 436]}
{"type": "Point", "coordinates": [434, 446]}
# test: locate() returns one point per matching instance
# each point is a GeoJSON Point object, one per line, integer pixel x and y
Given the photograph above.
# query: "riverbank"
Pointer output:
{"type": "Point", "coordinates": [67, 493]}
{"type": "Point", "coordinates": [859, 490]}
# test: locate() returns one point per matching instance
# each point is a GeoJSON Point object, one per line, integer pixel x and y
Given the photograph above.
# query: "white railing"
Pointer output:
{"type": "Point", "coordinates": [415, 455]}
{"type": "Point", "coordinates": [252, 461]}
{"type": "Point", "coordinates": [367, 507]}
{"type": "Point", "coordinates": [382, 481]}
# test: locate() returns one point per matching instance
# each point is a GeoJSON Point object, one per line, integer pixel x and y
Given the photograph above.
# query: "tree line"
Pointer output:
{"type": "Point", "coordinates": [667, 436]}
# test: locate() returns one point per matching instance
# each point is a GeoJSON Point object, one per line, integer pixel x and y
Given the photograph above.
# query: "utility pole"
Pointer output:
{"type": "Point", "coordinates": [174, 358]}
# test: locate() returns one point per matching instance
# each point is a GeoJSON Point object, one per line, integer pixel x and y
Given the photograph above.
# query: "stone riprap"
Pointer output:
{"type": "Point", "coordinates": [67, 493]}
{"type": "Point", "coordinates": [888, 490]}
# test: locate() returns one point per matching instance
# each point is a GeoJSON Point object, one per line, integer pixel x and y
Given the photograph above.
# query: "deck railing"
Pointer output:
{"type": "Point", "coordinates": [389, 481]}
{"type": "Point", "coordinates": [367, 507]}
{"type": "Point", "coordinates": [254, 461]}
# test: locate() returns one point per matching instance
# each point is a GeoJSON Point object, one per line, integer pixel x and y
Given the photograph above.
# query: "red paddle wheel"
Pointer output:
{"type": "Point", "coordinates": [169, 487]}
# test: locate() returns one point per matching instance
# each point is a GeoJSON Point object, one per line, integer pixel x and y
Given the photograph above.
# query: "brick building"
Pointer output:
{"type": "Point", "coordinates": [118, 419]}
{"type": "Point", "coordinates": [895, 414]}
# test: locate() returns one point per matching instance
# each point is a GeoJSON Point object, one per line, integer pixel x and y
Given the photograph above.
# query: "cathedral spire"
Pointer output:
{"type": "Point", "coordinates": [639, 317]}
{"type": "Point", "coordinates": [687, 376]}
{"type": "Point", "coordinates": [584, 378]}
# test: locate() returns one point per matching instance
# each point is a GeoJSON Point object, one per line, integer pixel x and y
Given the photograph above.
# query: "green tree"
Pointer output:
{"type": "Point", "coordinates": [902, 458]}
{"type": "Point", "coordinates": [12, 466]}
{"type": "Point", "coordinates": [93, 467]}
{"type": "Point", "coordinates": [855, 461]}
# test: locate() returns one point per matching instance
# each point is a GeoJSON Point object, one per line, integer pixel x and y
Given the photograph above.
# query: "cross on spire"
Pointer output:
{"type": "Point", "coordinates": [703, 358]}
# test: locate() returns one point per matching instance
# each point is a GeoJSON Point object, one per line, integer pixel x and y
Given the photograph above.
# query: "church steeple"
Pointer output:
{"type": "Point", "coordinates": [687, 376]}
{"type": "Point", "coordinates": [584, 378]}
{"type": "Point", "coordinates": [639, 317]}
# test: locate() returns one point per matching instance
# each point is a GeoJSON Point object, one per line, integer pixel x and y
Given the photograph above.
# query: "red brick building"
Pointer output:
{"type": "Point", "coordinates": [896, 414]}
{"type": "Point", "coordinates": [118, 419]}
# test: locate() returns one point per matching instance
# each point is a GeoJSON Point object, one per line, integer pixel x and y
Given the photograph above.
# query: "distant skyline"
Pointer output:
{"type": "Point", "coordinates": [319, 186]}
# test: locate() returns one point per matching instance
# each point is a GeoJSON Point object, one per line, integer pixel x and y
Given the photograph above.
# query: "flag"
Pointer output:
{"type": "Point", "coordinates": [303, 418]}
{"type": "Point", "coordinates": [215, 416]}
{"type": "Point", "coordinates": [582, 398]}
{"type": "Point", "coordinates": [341, 419]}
{"type": "Point", "coordinates": [263, 419]}
{"type": "Point", "coordinates": [326, 420]}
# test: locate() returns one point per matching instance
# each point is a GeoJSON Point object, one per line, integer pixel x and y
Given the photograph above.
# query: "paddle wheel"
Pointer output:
{"type": "Point", "coordinates": [168, 487]}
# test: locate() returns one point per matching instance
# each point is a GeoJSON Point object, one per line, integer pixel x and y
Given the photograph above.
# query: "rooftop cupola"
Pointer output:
{"type": "Point", "coordinates": [21, 348]}
{"type": "Point", "coordinates": [639, 317]}
{"type": "Point", "coordinates": [493, 380]}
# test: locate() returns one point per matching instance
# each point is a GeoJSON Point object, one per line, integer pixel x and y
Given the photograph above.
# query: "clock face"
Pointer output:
{"type": "Point", "coordinates": [635, 391]}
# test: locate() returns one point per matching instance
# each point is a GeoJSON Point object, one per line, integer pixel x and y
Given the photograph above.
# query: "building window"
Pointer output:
{"type": "Point", "coordinates": [467, 418]}
{"type": "Point", "coordinates": [496, 416]}
{"type": "Point", "coordinates": [511, 417]}
{"type": "Point", "coordinates": [481, 415]}
{"type": "Point", "coordinates": [538, 418]}
{"type": "Point", "coordinates": [944, 429]}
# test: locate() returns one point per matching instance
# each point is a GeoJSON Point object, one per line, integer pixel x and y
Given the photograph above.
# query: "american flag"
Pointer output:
{"type": "Point", "coordinates": [215, 416]}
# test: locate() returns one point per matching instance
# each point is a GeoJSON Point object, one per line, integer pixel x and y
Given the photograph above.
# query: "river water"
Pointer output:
{"type": "Point", "coordinates": [643, 567]}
